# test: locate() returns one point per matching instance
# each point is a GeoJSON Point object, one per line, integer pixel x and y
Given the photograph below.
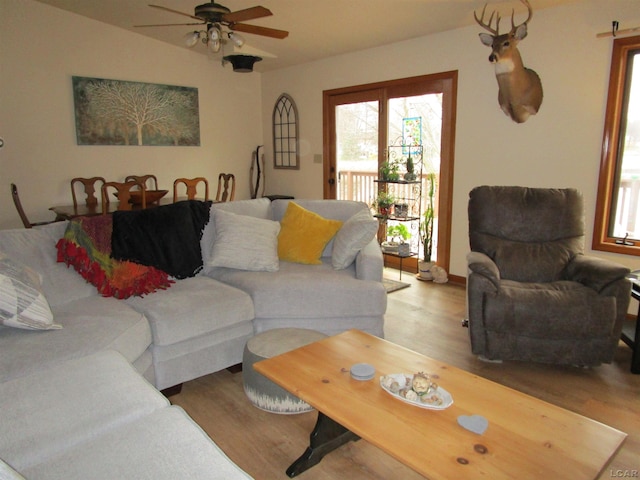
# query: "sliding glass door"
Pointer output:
{"type": "Point", "coordinates": [361, 122]}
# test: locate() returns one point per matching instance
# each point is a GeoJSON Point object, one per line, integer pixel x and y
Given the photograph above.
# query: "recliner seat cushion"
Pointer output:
{"type": "Point", "coordinates": [531, 310]}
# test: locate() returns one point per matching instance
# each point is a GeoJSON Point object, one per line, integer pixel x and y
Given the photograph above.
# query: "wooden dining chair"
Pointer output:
{"type": "Point", "coordinates": [150, 182]}
{"type": "Point", "coordinates": [226, 187]}
{"type": "Point", "coordinates": [89, 185]}
{"type": "Point", "coordinates": [23, 216]}
{"type": "Point", "coordinates": [123, 192]}
{"type": "Point", "coordinates": [191, 185]}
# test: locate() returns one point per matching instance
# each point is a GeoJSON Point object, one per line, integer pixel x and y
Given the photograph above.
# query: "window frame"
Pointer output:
{"type": "Point", "coordinates": [286, 130]}
{"type": "Point", "coordinates": [610, 150]}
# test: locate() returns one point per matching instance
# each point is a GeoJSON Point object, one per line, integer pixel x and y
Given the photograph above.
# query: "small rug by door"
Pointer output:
{"type": "Point", "coordinates": [394, 285]}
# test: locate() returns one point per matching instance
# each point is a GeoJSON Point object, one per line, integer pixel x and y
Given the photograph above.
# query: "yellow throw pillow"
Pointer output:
{"type": "Point", "coordinates": [304, 235]}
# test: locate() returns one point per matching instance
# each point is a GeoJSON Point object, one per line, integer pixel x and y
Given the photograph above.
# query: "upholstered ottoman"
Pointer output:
{"type": "Point", "coordinates": [262, 392]}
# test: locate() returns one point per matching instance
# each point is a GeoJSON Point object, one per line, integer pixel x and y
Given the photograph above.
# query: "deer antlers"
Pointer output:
{"type": "Point", "coordinates": [496, 31]}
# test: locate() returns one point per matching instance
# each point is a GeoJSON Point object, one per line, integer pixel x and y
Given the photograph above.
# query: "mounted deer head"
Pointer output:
{"type": "Point", "coordinates": [519, 88]}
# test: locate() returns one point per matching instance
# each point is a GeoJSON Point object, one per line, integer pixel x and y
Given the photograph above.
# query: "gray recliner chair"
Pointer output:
{"type": "Point", "coordinates": [532, 294]}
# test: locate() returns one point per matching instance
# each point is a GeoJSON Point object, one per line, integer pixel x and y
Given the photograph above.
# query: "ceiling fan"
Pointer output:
{"type": "Point", "coordinates": [214, 17]}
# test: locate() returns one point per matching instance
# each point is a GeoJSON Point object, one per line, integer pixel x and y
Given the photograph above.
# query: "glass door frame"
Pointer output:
{"type": "Point", "coordinates": [445, 83]}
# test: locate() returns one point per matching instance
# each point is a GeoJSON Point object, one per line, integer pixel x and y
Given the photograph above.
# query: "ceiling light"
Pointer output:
{"type": "Point", "coordinates": [191, 38]}
{"type": "Point", "coordinates": [214, 33]}
{"type": "Point", "coordinates": [214, 45]}
{"type": "Point", "coordinates": [236, 38]}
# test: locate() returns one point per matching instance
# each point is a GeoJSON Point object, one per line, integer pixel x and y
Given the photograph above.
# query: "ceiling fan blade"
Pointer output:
{"type": "Point", "coordinates": [175, 11]}
{"type": "Point", "coordinates": [169, 25]}
{"type": "Point", "coordinates": [247, 14]}
{"type": "Point", "coordinates": [256, 30]}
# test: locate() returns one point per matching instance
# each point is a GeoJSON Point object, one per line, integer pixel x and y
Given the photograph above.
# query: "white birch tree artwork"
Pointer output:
{"type": "Point", "coordinates": [114, 112]}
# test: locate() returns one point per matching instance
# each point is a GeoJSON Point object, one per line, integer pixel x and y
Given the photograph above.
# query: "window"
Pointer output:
{"type": "Point", "coordinates": [285, 133]}
{"type": "Point", "coordinates": [617, 221]}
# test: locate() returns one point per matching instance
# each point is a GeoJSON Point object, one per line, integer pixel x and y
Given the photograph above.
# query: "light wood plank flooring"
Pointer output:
{"type": "Point", "coordinates": [425, 317]}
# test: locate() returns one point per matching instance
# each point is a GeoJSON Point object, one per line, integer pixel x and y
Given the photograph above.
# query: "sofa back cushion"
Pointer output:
{"type": "Point", "coordinates": [36, 248]}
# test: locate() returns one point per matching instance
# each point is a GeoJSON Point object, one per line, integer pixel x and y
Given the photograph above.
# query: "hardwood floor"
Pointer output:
{"type": "Point", "coordinates": [425, 317]}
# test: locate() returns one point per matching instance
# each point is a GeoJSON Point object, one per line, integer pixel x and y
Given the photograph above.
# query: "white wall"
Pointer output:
{"type": "Point", "coordinates": [559, 147]}
{"type": "Point", "coordinates": [41, 47]}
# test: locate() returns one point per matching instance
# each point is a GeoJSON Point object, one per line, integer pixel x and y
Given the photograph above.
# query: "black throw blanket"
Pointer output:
{"type": "Point", "coordinates": [165, 237]}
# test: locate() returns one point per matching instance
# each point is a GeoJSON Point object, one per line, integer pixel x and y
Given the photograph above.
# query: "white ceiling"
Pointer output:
{"type": "Point", "coordinates": [317, 28]}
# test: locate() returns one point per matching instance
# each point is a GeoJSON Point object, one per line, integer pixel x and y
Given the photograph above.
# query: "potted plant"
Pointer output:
{"type": "Point", "coordinates": [390, 171]}
{"type": "Point", "coordinates": [384, 202]}
{"type": "Point", "coordinates": [410, 176]}
{"type": "Point", "coordinates": [399, 233]}
{"type": "Point", "coordinates": [425, 230]}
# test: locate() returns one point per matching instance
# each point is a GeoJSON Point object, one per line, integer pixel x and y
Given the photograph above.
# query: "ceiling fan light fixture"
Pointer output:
{"type": "Point", "coordinates": [237, 39]}
{"type": "Point", "coordinates": [214, 33]}
{"type": "Point", "coordinates": [191, 38]}
{"type": "Point", "coordinates": [242, 63]}
{"type": "Point", "coordinates": [214, 45]}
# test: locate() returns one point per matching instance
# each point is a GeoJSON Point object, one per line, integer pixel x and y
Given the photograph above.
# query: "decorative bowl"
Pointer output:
{"type": "Point", "coordinates": [152, 196]}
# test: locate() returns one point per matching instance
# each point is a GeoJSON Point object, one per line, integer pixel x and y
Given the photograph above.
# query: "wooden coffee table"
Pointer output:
{"type": "Point", "coordinates": [526, 437]}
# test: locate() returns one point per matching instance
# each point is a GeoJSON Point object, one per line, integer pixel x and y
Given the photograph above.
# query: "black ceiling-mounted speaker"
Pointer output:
{"type": "Point", "coordinates": [242, 63]}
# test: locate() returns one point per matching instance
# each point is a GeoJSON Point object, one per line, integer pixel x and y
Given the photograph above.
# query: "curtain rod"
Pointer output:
{"type": "Point", "coordinates": [614, 32]}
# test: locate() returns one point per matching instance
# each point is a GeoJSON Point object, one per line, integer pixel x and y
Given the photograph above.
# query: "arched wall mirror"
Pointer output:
{"type": "Point", "coordinates": [285, 134]}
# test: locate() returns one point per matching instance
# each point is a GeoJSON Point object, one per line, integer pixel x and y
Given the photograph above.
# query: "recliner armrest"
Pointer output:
{"type": "Point", "coordinates": [595, 272]}
{"type": "Point", "coordinates": [483, 265]}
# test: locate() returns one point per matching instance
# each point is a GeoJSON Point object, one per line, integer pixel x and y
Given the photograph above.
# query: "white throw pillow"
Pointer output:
{"type": "Point", "coordinates": [22, 303]}
{"type": "Point", "coordinates": [245, 243]}
{"type": "Point", "coordinates": [352, 237]}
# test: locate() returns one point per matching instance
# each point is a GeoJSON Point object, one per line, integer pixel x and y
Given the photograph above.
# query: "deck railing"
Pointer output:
{"type": "Point", "coordinates": [360, 185]}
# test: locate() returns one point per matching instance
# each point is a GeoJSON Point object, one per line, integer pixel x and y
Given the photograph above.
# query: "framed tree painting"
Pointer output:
{"type": "Point", "coordinates": [115, 112]}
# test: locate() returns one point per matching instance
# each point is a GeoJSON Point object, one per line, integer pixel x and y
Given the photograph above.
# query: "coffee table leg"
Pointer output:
{"type": "Point", "coordinates": [326, 437]}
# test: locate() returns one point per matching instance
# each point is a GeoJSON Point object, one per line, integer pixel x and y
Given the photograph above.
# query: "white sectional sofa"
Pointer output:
{"type": "Point", "coordinates": [96, 418]}
{"type": "Point", "coordinates": [197, 326]}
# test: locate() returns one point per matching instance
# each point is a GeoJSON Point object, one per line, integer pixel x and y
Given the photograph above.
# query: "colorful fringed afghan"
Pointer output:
{"type": "Point", "coordinates": [86, 246]}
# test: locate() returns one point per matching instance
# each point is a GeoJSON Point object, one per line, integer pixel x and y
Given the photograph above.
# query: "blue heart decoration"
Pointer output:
{"type": "Point", "coordinates": [474, 423]}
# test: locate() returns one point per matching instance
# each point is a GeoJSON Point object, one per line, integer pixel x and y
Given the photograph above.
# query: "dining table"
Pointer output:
{"type": "Point", "coordinates": [69, 212]}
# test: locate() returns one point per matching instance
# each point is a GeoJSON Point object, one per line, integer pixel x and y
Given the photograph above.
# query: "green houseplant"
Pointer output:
{"type": "Point", "coordinates": [390, 171]}
{"type": "Point", "coordinates": [384, 202]}
{"type": "Point", "coordinates": [399, 231]}
{"type": "Point", "coordinates": [425, 229]}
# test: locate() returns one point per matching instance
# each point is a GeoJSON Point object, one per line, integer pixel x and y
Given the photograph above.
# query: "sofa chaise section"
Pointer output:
{"type": "Point", "coordinates": [97, 418]}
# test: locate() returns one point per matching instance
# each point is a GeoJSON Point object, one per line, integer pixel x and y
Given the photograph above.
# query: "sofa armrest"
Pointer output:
{"type": "Point", "coordinates": [483, 265]}
{"type": "Point", "coordinates": [369, 262]}
{"type": "Point", "coordinates": [594, 272]}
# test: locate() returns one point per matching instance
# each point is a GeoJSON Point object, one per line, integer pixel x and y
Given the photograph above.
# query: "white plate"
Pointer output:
{"type": "Point", "coordinates": [446, 400]}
